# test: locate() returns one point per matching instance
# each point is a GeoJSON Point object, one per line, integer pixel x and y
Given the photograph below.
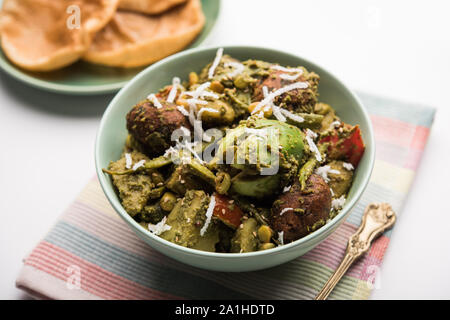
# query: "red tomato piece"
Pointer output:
{"type": "Point", "coordinates": [228, 213]}
{"type": "Point", "coordinates": [350, 148]}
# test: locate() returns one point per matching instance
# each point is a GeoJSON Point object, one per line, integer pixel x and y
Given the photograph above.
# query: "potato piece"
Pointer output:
{"type": "Point", "coordinates": [186, 220]}
{"type": "Point", "coordinates": [134, 189]}
{"type": "Point", "coordinates": [246, 238]}
{"type": "Point", "coordinates": [340, 183]}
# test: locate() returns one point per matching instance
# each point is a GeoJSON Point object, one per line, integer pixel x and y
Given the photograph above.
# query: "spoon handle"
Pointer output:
{"type": "Point", "coordinates": [377, 218]}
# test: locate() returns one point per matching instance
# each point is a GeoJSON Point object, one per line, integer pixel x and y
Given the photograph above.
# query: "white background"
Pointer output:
{"type": "Point", "coordinates": [398, 49]}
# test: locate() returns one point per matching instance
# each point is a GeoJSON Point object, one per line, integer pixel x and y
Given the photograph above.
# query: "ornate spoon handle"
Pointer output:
{"type": "Point", "coordinates": [377, 218]}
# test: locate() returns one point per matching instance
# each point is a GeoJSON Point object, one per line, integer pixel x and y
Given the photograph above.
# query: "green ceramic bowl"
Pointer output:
{"type": "Point", "coordinates": [82, 78]}
{"type": "Point", "coordinates": [112, 134]}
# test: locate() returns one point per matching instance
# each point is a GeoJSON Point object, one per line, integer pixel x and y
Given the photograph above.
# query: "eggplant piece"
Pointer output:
{"type": "Point", "coordinates": [191, 176]}
{"type": "Point", "coordinates": [225, 236]}
{"type": "Point", "coordinates": [181, 181]}
{"type": "Point", "coordinates": [152, 213]}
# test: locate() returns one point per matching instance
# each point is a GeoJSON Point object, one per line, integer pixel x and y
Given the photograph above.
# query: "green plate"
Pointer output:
{"type": "Point", "coordinates": [85, 78]}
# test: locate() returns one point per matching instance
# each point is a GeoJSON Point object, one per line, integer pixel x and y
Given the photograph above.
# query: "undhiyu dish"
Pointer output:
{"type": "Point", "coordinates": [240, 157]}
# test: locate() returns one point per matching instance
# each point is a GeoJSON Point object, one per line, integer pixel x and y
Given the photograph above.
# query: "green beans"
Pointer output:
{"type": "Point", "coordinates": [168, 201]}
{"type": "Point", "coordinates": [223, 182]}
{"type": "Point", "coordinates": [307, 170]}
{"type": "Point", "coordinates": [152, 213]}
{"type": "Point", "coordinates": [202, 172]}
{"type": "Point", "coordinates": [311, 121]}
{"type": "Point", "coordinates": [310, 165]}
{"type": "Point", "coordinates": [149, 165]}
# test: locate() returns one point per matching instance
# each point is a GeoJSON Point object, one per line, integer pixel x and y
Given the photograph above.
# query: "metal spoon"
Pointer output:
{"type": "Point", "coordinates": [377, 218]}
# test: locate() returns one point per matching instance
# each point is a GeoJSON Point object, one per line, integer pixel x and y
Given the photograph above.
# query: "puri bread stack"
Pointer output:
{"type": "Point", "coordinates": [132, 39]}
{"type": "Point", "coordinates": [149, 6]}
{"type": "Point", "coordinates": [38, 35]}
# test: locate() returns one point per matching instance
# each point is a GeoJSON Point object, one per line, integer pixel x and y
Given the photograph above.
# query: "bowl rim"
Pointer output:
{"type": "Point", "coordinates": [194, 252]}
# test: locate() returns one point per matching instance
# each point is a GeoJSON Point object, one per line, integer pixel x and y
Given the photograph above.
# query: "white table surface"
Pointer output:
{"type": "Point", "coordinates": [399, 49]}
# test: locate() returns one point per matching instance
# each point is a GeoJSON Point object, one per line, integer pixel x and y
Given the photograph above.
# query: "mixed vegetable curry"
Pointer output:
{"type": "Point", "coordinates": [241, 157]}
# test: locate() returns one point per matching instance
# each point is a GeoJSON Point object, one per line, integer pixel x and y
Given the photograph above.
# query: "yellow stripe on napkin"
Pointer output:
{"type": "Point", "coordinates": [392, 177]}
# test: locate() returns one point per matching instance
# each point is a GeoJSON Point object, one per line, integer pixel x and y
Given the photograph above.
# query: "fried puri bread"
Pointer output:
{"type": "Point", "coordinates": [149, 6]}
{"type": "Point", "coordinates": [133, 39]}
{"type": "Point", "coordinates": [37, 35]}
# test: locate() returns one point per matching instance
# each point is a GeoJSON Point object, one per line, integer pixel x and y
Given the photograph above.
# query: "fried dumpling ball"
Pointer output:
{"type": "Point", "coordinates": [298, 212]}
{"type": "Point", "coordinates": [297, 100]}
{"type": "Point", "coordinates": [153, 126]}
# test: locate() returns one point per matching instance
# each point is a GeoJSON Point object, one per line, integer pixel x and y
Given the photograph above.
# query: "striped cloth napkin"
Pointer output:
{"type": "Point", "coordinates": [91, 254]}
